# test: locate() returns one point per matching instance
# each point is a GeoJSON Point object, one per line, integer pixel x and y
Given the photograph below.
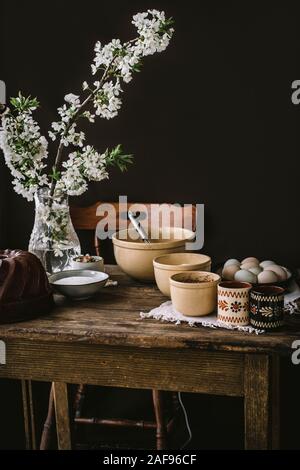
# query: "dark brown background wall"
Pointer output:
{"type": "Point", "coordinates": [210, 120]}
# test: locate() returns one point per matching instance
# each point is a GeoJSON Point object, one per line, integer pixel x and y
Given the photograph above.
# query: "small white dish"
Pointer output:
{"type": "Point", "coordinates": [78, 284]}
{"type": "Point", "coordinates": [97, 265]}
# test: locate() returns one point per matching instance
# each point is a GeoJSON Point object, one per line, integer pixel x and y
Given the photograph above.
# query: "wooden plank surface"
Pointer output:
{"type": "Point", "coordinates": [275, 402]}
{"type": "Point", "coordinates": [190, 370]}
{"type": "Point", "coordinates": [257, 402]}
{"type": "Point", "coordinates": [113, 318]}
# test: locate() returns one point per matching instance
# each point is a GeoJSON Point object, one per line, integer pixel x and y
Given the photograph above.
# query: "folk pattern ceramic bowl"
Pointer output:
{"type": "Point", "coordinates": [194, 293]}
{"type": "Point", "coordinates": [233, 303]}
{"type": "Point", "coordinates": [135, 257]}
{"type": "Point", "coordinates": [96, 265]}
{"type": "Point", "coordinates": [267, 307]}
{"type": "Point", "coordinates": [167, 265]}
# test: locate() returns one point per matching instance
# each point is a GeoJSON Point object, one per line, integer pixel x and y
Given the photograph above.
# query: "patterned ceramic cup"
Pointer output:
{"type": "Point", "coordinates": [233, 303]}
{"type": "Point", "coordinates": [266, 307]}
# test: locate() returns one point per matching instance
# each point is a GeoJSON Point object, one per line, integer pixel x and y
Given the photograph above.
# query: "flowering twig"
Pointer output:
{"type": "Point", "coordinates": [25, 148]}
{"type": "Point", "coordinates": [59, 155]}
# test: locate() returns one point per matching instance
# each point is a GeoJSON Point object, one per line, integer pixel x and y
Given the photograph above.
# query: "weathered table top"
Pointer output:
{"type": "Point", "coordinates": [113, 318]}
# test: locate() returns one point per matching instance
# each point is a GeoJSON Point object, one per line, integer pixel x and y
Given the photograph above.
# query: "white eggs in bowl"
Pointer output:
{"type": "Point", "coordinates": [232, 261]}
{"type": "Point", "coordinates": [278, 270]}
{"type": "Point", "coordinates": [245, 276]}
{"type": "Point", "coordinates": [267, 277]}
{"type": "Point", "coordinates": [255, 271]}
{"type": "Point", "coordinates": [228, 272]}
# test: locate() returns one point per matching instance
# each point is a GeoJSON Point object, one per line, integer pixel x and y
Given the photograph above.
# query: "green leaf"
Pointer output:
{"type": "Point", "coordinates": [21, 104]}
{"type": "Point", "coordinates": [137, 67]}
{"type": "Point", "coordinates": [55, 175]}
{"type": "Point", "coordinates": [115, 157]}
{"type": "Point", "coordinates": [166, 25]}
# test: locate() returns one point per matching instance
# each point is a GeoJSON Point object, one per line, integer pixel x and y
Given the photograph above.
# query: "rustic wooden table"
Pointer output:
{"type": "Point", "coordinates": [104, 342]}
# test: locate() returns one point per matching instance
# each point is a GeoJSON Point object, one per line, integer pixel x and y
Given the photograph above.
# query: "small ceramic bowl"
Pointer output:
{"type": "Point", "coordinates": [135, 257]}
{"type": "Point", "coordinates": [194, 293]}
{"type": "Point", "coordinates": [167, 265]}
{"type": "Point", "coordinates": [97, 265]}
{"type": "Point", "coordinates": [78, 284]}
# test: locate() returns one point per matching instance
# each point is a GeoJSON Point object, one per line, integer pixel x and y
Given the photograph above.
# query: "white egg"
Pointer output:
{"type": "Point", "coordinates": [248, 265]}
{"type": "Point", "coordinates": [245, 276]}
{"type": "Point", "coordinates": [229, 272]}
{"type": "Point", "coordinates": [267, 277]}
{"type": "Point", "coordinates": [232, 261]}
{"type": "Point", "coordinates": [255, 270]}
{"type": "Point", "coordinates": [281, 273]}
{"type": "Point", "coordinates": [250, 259]}
{"type": "Point", "coordinates": [288, 272]}
{"type": "Point", "coordinates": [268, 262]}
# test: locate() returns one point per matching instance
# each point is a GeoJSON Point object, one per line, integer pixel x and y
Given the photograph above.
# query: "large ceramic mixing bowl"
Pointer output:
{"type": "Point", "coordinates": [135, 257]}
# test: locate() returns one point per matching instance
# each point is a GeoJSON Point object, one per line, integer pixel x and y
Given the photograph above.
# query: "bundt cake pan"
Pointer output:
{"type": "Point", "coordinates": [25, 291]}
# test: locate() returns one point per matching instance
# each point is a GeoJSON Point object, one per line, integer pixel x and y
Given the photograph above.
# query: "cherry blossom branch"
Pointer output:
{"type": "Point", "coordinates": [59, 155]}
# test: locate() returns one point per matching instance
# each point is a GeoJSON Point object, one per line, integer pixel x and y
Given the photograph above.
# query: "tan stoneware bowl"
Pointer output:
{"type": "Point", "coordinates": [167, 265]}
{"type": "Point", "coordinates": [194, 293]}
{"type": "Point", "coordinates": [135, 257]}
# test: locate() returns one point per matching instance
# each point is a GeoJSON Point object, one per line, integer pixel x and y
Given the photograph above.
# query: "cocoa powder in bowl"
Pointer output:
{"type": "Point", "coordinates": [195, 278]}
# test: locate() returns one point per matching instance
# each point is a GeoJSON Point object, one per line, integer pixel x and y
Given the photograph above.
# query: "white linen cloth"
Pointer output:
{"type": "Point", "coordinates": [166, 312]}
{"type": "Point", "coordinates": [292, 299]}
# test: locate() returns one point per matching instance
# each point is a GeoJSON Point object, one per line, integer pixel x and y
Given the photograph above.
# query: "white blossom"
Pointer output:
{"type": "Point", "coordinates": [94, 69]}
{"type": "Point", "coordinates": [65, 128]}
{"type": "Point", "coordinates": [152, 36]}
{"type": "Point", "coordinates": [107, 101]}
{"type": "Point", "coordinates": [72, 99]}
{"type": "Point", "coordinates": [72, 137]}
{"type": "Point", "coordinates": [24, 150]}
{"type": "Point", "coordinates": [90, 117]}
{"type": "Point", "coordinates": [80, 168]}
{"type": "Point", "coordinates": [105, 54]}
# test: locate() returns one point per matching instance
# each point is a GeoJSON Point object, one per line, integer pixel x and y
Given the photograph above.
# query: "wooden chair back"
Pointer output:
{"type": "Point", "coordinates": [114, 215]}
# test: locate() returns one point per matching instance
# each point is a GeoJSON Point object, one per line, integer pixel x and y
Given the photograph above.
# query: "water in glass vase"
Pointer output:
{"type": "Point", "coordinates": [53, 239]}
{"type": "Point", "coordinates": [53, 263]}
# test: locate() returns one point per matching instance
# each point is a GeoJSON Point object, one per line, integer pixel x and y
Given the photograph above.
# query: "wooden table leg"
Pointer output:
{"type": "Point", "coordinates": [261, 403]}
{"type": "Point", "coordinates": [28, 412]}
{"type": "Point", "coordinates": [275, 397]}
{"type": "Point", "coordinates": [61, 404]}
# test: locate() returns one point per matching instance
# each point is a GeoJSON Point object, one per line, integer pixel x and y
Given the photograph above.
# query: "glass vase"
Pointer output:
{"type": "Point", "coordinates": [53, 239]}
